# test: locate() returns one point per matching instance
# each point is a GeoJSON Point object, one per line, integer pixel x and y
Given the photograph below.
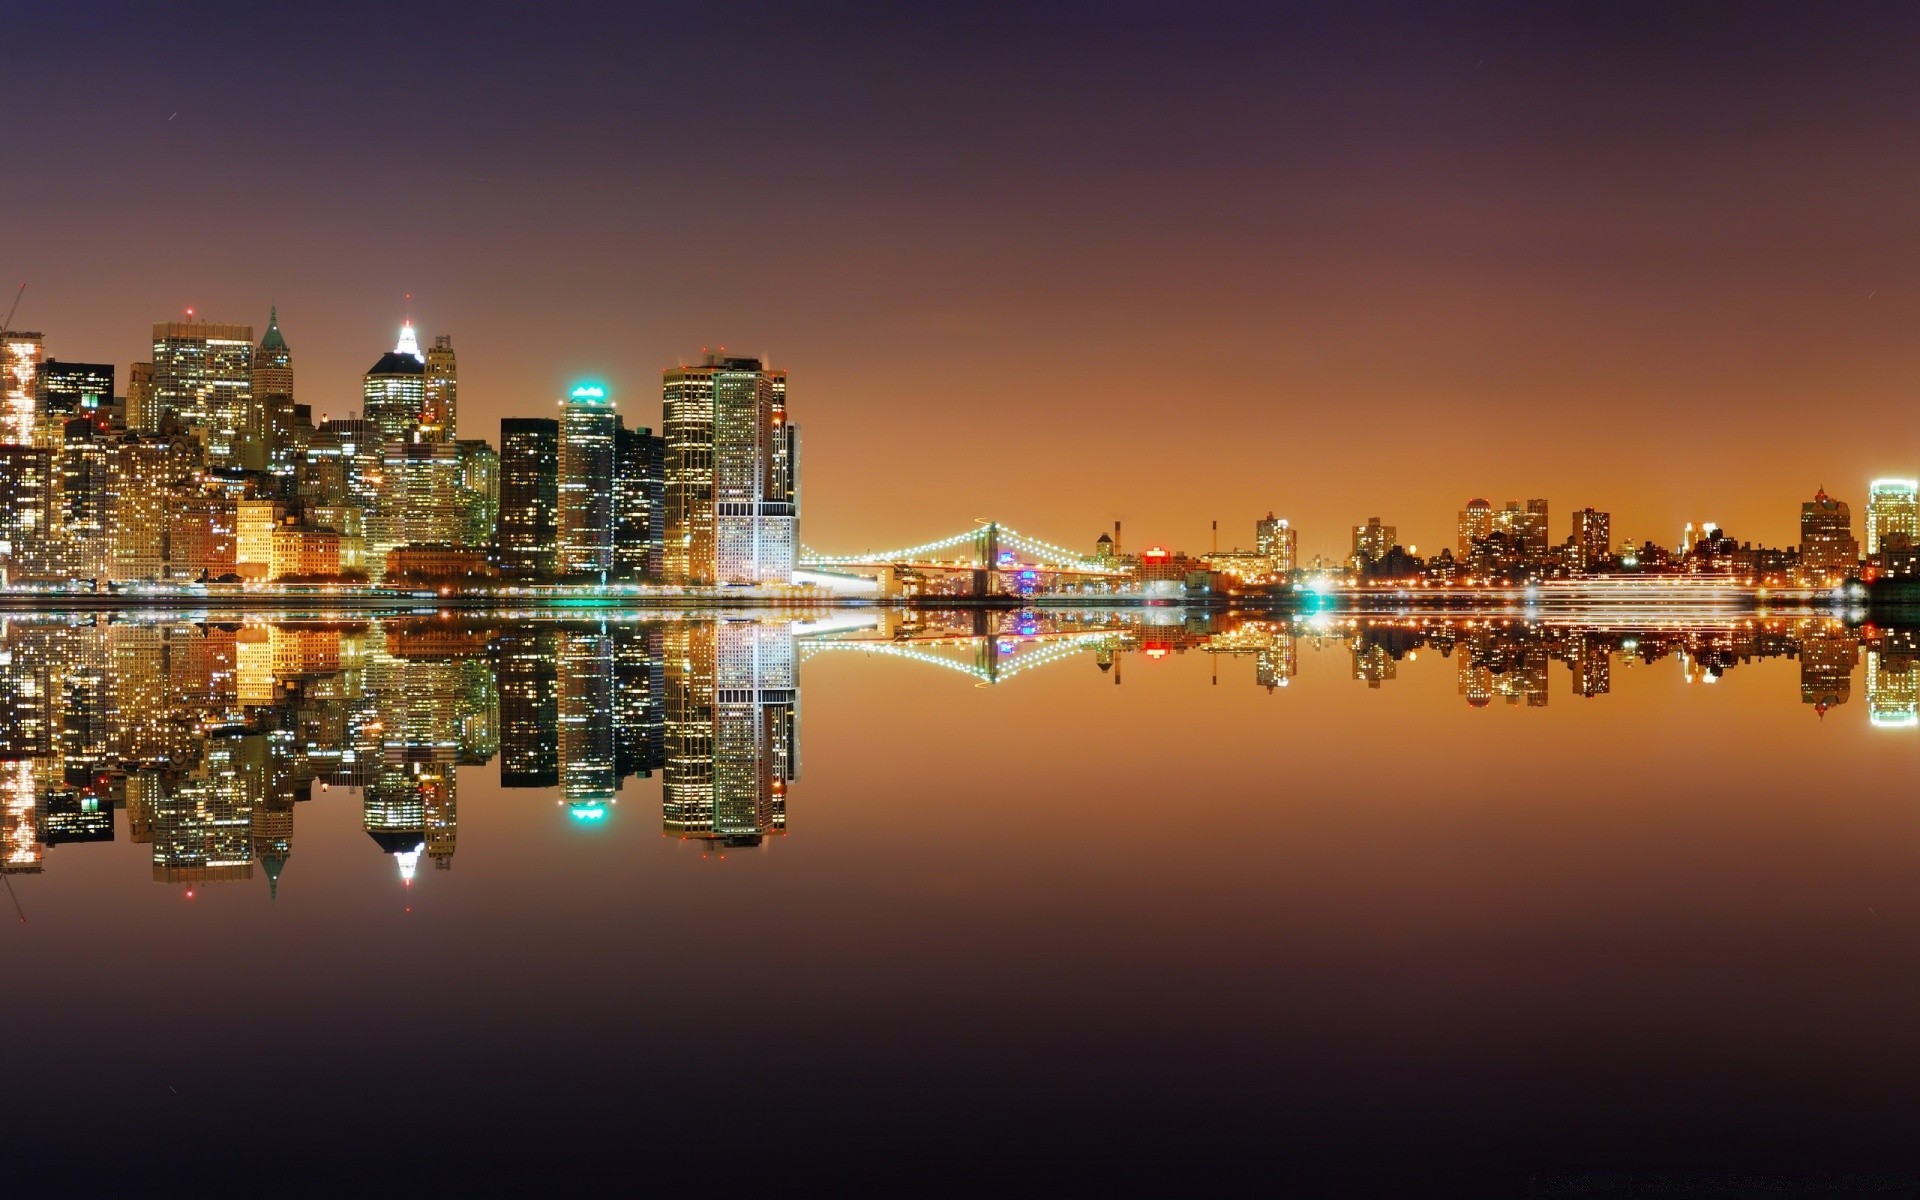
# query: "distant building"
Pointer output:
{"type": "Point", "coordinates": [1278, 542]}
{"type": "Point", "coordinates": [1371, 542]}
{"type": "Point", "coordinates": [586, 459]}
{"type": "Point", "coordinates": [1828, 548]}
{"type": "Point", "coordinates": [1592, 538]}
{"type": "Point", "coordinates": [526, 539]}
{"type": "Point", "coordinates": [1476, 522]}
{"type": "Point", "coordinates": [203, 378]}
{"type": "Point", "coordinates": [1893, 506]}
{"type": "Point", "coordinates": [143, 414]}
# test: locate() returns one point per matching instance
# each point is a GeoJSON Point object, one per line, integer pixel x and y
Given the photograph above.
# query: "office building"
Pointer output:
{"type": "Point", "coordinates": [143, 413]}
{"type": "Point", "coordinates": [639, 503]}
{"type": "Point", "coordinates": [20, 355]}
{"type": "Point", "coordinates": [440, 393]}
{"type": "Point", "coordinates": [1893, 506]}
{"type": "Point", "coordinates": [1277, 542]}
{"type": "Point", "coordinates": [270, 441]}
{"type": "Point", "coordinates": [203, 378]}
{"type": "Point", "coordinates": [1371, 542]}
{"type": "Point", "coordinates": [1476, 522]}
{"type": "Point", "coordinates": [732, 472]}
{"type": "Point", "coordinates": [586, 460]}
{"type": "Point", "coordinates": [526, 540]}
{"type": "Point", "coordinates": [83, 505]}
{"type": "Point", "coordinates": [393, 394]}
{"type": "Point", "coordinates": [1828, 549]}
{"type": "Point", "coordinates": [1592, 538]}
{"type": "Point", "coordinates": [65, 390]}
{"type": "Point", "coordinates": [27, 490]}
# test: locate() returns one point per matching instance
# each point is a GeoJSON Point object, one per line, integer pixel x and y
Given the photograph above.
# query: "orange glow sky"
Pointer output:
{"type": "Point", "coordinates": [1162, 263]}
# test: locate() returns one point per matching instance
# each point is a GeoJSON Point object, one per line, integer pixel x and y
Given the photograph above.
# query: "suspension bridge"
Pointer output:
{"type": "Point", "coordinates": [998, 558]}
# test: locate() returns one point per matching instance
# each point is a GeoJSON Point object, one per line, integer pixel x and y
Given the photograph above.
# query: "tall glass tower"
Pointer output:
{"type": "Point", "coordinates": [587, 435]}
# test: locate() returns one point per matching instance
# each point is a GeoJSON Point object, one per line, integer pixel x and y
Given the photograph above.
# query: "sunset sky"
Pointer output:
{"type": "Point", "coordinates": [1053, 264]}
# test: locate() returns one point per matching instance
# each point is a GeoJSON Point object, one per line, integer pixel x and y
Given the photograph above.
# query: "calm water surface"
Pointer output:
{"type": "Point", "coordinates": [1093, 903]}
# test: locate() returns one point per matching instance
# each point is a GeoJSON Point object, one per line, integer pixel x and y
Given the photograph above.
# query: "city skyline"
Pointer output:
{"type": "Point", "coordinates": [1729, 288]}
{"type": "Point", "coordinates": [409, 396]}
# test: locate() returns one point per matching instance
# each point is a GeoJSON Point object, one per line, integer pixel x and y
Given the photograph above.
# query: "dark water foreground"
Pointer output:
{"type": "Point", "coordinates": [1143, 902]}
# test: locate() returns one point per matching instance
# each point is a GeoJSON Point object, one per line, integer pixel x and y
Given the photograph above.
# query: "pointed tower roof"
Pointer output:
{"type": "Point", "coordinates": [409, 344]}
{"type": "Point", "coordinates": [272, 865]}
{"type": "Point", "coordinates": [272, 338]}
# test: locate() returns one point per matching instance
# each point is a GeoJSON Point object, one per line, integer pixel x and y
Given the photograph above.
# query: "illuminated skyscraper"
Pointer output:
{"type": "Point", "coordinates": [1592, 537]}
{"type": "Point", "coordinates": [84, 501]}
{"type": "Point", "coordinates": [1278, 542]}
{"type": "Point", "coordinates": [732, 473]}
{"type": "Point", "coordinates": [27, 490]}
{"type": "Point", "coordinates": [1525, 524]}
{"type": "Point", "coordinates": [1476, 522]}
{"type": "Point", "coordinates": [203, 378]}
{"type": "Point", "coordinates": [393, 395]}
{"type": "Point", "coordinates": [151, 474]}
{"type": "Point", "coordinates": [269, 444]}
{"type": "Point", "coordinates": [586, 460]}
{"type": "Point", "coordinates": [143, 412]}
{"type": "Point", "coordinates": [1893, 506]}
{"type": "Point", "coordinates": [527, 539]}
{"type": "Point", "coordinates": [639, 512]}
{"type": "Point", "coordinates": [1372, 541]}
{"type": "Point", "coordinates": [64, 390]}
{"type": "Point", "coordinates": [1828, 549]}
{"type": "Point", "coordinates": [480, 491]}
{"type": "Point", "coordinates": [20, 355]}
{"type": "Point", "coordinates": [423, 501]}
{"type": "Point", "coordinates": [440, 412]}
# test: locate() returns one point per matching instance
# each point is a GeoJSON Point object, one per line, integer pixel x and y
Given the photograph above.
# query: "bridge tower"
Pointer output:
{"type": "Point", "coordinates": [988, 574]}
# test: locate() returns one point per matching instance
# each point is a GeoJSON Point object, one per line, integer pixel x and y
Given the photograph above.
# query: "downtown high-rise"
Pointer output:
{"type": "Point", "coordinates": [588, 427]}
{"type": "Point", "coordinates": [203, 379]}
{"type": "Point", "coordinates": [731, 473]}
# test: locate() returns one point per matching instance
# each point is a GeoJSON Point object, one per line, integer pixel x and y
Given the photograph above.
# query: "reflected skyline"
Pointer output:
{"type": "Point", "coordinates": [210, 736]}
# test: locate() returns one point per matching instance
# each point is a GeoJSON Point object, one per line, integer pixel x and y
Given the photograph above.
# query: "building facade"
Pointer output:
{"type": "Point", "coordinates": [203, 379]}
{"type": "Point", "coordinates": [526, 537]}
{"type": "Point", "coordinates": [585, 482]}
{"type": "Point", "coordinates": [731, 474]}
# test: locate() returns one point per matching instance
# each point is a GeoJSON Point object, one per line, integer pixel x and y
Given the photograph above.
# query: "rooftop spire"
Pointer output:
{"type": "Point", "coordinates": [273, 339]}
{"type": "Point", "coordinates": [409, 344]}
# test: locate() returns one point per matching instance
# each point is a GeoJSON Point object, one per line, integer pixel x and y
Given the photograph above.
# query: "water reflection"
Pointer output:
{"type": "Point", "coordinates": [212, 734]}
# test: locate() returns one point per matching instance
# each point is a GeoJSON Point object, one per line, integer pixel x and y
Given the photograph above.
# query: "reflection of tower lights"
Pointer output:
{"type": "Point", "coordinates": [409, 861]}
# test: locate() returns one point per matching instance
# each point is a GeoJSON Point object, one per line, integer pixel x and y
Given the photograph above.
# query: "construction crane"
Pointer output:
{"type": "Point", "coordinates": [8, 323]}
